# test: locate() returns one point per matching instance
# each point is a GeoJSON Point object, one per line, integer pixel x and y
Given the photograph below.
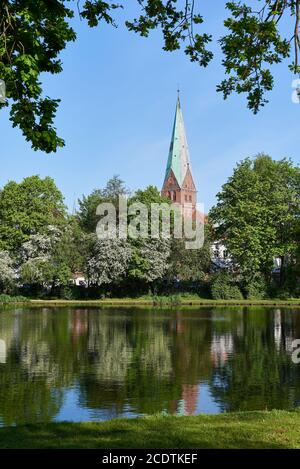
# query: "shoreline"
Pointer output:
{"type": "Point", "coordinates": [148, 302]}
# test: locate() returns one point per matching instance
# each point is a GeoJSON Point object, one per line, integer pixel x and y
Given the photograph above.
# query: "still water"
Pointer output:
{"type": "Point", "coordinates": [97, 364]}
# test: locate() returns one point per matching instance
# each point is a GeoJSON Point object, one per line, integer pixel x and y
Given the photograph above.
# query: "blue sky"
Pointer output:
{"type": "Point", "coordinates": [118, 96]}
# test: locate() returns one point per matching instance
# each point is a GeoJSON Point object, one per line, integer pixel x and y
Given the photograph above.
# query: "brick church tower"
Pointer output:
{"type": "Point", "coordinates": [178, 184]}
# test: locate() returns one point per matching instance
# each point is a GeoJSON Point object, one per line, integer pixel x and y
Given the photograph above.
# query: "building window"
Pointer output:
{"type": "Point", "coordinates": [185, 198]}
{"type": "Point", "coordinates": [190, 198]}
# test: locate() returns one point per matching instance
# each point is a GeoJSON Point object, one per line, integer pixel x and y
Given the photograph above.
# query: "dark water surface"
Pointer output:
{"type": "Point", "coordinates": [95, 364]}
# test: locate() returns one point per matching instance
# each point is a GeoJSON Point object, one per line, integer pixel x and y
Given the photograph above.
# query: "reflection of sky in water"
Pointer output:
{"type": "Point", "coordinates": [203, 403]}
{"type": "Point", "coordinates": [72, 410]}
{"type": "Point", "coordinates": [206, 403]}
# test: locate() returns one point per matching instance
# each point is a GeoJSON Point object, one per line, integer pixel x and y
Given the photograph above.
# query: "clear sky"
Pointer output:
{"type": "Point", "coordinates": [118, 96]}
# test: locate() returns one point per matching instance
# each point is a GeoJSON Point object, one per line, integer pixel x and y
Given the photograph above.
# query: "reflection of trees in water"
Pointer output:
{"type": "Point", "coordinates": [37, 362]}
{"type": "Point", "coordinates": [22, 401]}
{"type": "Point", "coordinates": [155, 352]}
{"type": "Point", "coordinates": [109, 350]}
{"type": "Point", "coordinates": [30, 379]}
{"type": "Point", "coordinates": [138, 358]}
{"type": "Point", "coordinates": [146, 361]}
{"type": "Point", "coordinates": [125, 361]}
{"type": "Point", "coordinates": [260, 373]}
{"type": "Point", "coordinates": [151, 384]}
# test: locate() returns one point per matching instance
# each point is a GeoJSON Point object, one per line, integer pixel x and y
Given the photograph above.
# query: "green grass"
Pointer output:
{"type": "Point", "coordinates": [176, 300]}
{"type": "Point", "coordinates": [167, 301]}
{"type": "Point", "coordinates": [275, 429]}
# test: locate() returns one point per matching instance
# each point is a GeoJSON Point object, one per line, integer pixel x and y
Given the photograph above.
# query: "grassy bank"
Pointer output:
{"type": "Point", "coordinates": [276, 429]}
{"type": "Point", "coordinates": [165, 301]}
{"type": "Point", "coordinates": [156, 301]}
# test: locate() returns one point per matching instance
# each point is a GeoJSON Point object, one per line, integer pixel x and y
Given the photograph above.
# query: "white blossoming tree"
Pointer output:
{"type": "Point", "coordinates": [40, 246]}
{"type": "Point", "coordinates": [150, 259]}
{"type": "Point", "coordinates": [109, 261]}
{"type": "Point", "coordinates": [39, 263]}
{"type": "Point", "coordinates": [7, 274]}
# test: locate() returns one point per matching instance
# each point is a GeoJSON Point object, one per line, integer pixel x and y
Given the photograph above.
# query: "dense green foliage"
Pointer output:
{"type": "Point", "coordinates": [224, 288]}
{"type": "Point", "coordinates": [43, 249]}
{"type": "Point", "coordinates": [4, 299]}
{"type": "Point", "coordinates": [28, 208]}
{"type": "Point", "coordinates": [34, 33]}
{"type": "Point", "coordinates": [88, 218]}
{"type": "Point", "coordinates": [257, 217]}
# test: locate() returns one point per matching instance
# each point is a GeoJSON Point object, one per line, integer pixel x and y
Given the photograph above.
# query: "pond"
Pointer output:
{"type": "Point", "coordinates": [84, 364]}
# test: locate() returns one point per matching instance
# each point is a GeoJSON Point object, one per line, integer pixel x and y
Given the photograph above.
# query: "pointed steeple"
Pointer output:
{"type": "Point", "coordinates": [178, 160]}
{"type": "Point", "coordinates": [179, 184]}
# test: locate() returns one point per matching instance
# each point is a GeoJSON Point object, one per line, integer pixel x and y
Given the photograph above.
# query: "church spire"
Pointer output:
{"type": "Point", "coordinates": [178, 182]}
{"type": "Point", "coordinates": [178, 160]}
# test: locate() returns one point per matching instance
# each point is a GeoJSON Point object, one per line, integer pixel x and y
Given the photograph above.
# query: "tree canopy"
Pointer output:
{"type": "Point", "coordinates": [44, 250]}
{"type": "Point", "coordinates": [88, 218]}
{"type": "Point", "coordinates": [28, 208]}
{"type": "Point", "coordinates": [33, 33]}
{"type": "Point", "coordinates": [257, 215]}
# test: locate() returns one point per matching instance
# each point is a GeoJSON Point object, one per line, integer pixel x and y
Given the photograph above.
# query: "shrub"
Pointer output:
{"type": "Point", "coordinates": [12, 299]}
{"type": "Point", "coordinates": [173, 300]}
{"type": "Point", "coordinates": [224, 288]}
{"type": "Point", "coordinates": [290, 289]}
{"type": "Point", "coordinates": [176, 300]}
{"type": "Point", "coordinates": [256, 289]}
{"type": "Point", "coordinates": [291, 285]}
{"type": "Point", "coordinates": [69, 293]}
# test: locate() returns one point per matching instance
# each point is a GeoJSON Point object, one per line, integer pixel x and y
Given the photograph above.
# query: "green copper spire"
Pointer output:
{"type": "Point", "coordinates": [179, 159]}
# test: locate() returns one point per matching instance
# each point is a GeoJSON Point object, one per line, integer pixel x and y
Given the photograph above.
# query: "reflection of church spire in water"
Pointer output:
{"type": "Point", "coordinates": [79, 323]}
{"type": "Point", "coordinates": [189, 400]}
{"type": "Point", "coordinates": [190, 397]}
